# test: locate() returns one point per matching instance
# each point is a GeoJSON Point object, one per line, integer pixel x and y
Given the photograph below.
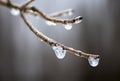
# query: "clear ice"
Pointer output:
{"type": "Point", "coordinates": [50, 23]}
{"type": "Point", "coordinates": [15, 12]}
{"type": "Point", "coordinates": [59, 52]}
{"type": "Point", "coordinates": [79, 19]}
{"type": "Point", "coordinates": [70, 13]}
{"type": "Point", "coordinates": [68, 26]}
{"type": "Point", "coordinates": [93, 61]}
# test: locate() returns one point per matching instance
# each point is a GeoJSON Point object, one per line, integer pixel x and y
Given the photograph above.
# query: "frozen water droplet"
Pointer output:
{"type": "Point", "coordinates": [70, 13]}
{"type": "Point", "coordinates": [93, 61]}
{"type": "Point", "coordinates": [68, 26]}
{"type": "Point", "coordinates": [15, 12]}
{"type": "Point", "coordinates": [41, 40]}
{"type": "Point", "coordinates": [59, 52]}
{"type": "Point", "coordinates": [50, 23]}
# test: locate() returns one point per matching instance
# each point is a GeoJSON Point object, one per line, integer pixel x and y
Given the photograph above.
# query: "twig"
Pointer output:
{"type": "Point", "coordinates": [27, 3]}
{"type": "Point", "coordinates": [54, 20]}
{"type": "Point", "coordinates": [67, 12]}
{"type": "Point", "coordinates": [51, 42]}
{"type": "Point", "coordinates": [35, 11]}
{"type": "Point", "coordinates": [32, 10]}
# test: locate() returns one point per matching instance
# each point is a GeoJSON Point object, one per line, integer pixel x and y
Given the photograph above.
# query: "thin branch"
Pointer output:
{"type": "Point", "coordinates": [67, 12]}
{"type": "Point", "coordinates": [54, 20]}
{"type": "Point", "coordinates": [27, 3]}
{"type": "Point", "coordinates": [8, 1]}
{"type": "Point", "coordinates": [32, 10]}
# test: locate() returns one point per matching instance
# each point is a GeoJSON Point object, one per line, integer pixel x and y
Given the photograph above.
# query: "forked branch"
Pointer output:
{"type": "Point", "coordinates": [34, 11]}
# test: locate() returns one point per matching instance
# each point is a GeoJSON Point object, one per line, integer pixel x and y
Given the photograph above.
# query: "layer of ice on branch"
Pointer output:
{"type": "Point", "coordinates": [78, 19]}
{"type": "Point", "coordinates": [50, 23]}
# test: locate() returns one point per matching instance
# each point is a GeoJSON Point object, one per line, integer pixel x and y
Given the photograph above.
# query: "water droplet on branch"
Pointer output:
{"type": "Point", "coordinates": [93, 61]}
{"type": "Point", "coordinates": [59, 52]}
{"type": "Point", "coordinates": [41, 40]}
{"type": "Point", "coordinates": [50, 23]}
{"type": "Point", "coordinates": [70, 13]}
{"type": "Point", "coordinates": [68, 26]}
{"type": "Point", "coordinates": [15, 12]}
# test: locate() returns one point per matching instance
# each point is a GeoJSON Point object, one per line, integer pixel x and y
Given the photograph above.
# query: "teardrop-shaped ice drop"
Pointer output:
{"type": "Point", "coordinates": [15, 12]}
{"type": "Point", "coordinates": [70, 13]}
{"type": "Point", "coordinates": [50, 23]}
{"type": "Point", "coordinates": [68, 26]}
{"type": "Point", "coordinates": [59, 52]}
{"type": "Point", "coordinates": [93, 61]}
{"type": "Point", "coordinates": [41, 40]}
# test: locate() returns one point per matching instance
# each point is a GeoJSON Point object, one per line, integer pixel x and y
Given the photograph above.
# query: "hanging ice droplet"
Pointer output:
{"type": "Point", "coordinates": [59, 52]}
{"type": "Point", "coordinates": [68, 26]}
{"type": "Point", "coordinates": [41, 40]}
{"type": "Point", "coordinates": [15, 12]}
{"type": "Point", "coordinates": [50, 23]}
{"type": "Point", "coordinates": [93, 61]}
{"type": "Point", "coordinates": [70, 13]}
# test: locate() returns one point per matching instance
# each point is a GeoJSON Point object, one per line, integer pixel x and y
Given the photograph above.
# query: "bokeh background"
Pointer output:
{"type": "Point", "coordinates": [23, 57]}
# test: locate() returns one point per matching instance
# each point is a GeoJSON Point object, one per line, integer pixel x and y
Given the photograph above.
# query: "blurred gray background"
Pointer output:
{"type": "Point", "coordinates": [23, 57]}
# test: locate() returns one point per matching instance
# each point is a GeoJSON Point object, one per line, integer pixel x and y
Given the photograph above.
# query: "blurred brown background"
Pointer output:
{"type": "Point", "coordinates": [23, 57]}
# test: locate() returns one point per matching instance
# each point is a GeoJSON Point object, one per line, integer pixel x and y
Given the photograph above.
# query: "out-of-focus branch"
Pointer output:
{"type": "Point", "coordinates": [32, 10]}
{"type": "Point", "coordinates": [37, 12]}
{"type": "Point", "coordinates": [51, 42]}
{"type": "Point", "coordinates": [67, 12]}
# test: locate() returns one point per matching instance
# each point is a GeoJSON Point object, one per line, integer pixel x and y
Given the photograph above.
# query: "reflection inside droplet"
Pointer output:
{"type": "Point", "coordinates": [59, 52]}
{"type": "Point", "coordinates": [93, 61]}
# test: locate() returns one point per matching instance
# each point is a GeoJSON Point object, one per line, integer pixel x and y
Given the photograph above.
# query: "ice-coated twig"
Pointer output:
{"type": "Point", "coordinates": [67, 12]}
{"type": "Point", "coordinates": [32, 10]}
{"type": "Point", "coordinates": [54, 20]}
{"type": "Point", "coordinates": [35, 11]}
{"type": "Point", "coordinates": [51, 42]}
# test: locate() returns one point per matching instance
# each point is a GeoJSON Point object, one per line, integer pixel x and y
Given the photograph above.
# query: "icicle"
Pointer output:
{"type": "Point", "coordinates": [59, 52]}
{"type": "Point", "coordinates": [93, 61]}
{"type": "Point", "coordinates": [50, 23]}
{"type": "Point", "coordinates": [68, 26]}
{"type": "Point", "coordinates": [15, 12]}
